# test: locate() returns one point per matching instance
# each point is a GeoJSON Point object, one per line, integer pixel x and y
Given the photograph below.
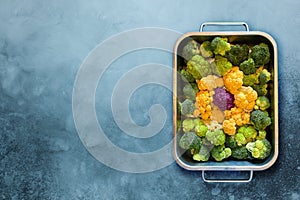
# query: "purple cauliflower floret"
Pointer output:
{"type": "Point", "coordinates": [223, 99]}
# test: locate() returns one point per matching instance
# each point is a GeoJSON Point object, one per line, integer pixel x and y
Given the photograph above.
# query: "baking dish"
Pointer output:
{"type": "Point", "coordinates": [247, 37]}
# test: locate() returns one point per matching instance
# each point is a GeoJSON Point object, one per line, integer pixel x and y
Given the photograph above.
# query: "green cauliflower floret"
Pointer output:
{"type": "Point", "coordinates": [198, 67]}
{"type": "Point", "coordinates": [261, 135]}
{"type": "Point", "coordinates": [190, 49]}
{"type": "Point", "coordinates": [260, 54]}
{"type": "Point", "coordinates": [203, 154]}
{"type": "Point", "coordinates": [190, 141]}
{"type": "Point", "coordinates": [187, 107]}
{"type": "Point", "coordinates": [250, 80]}
{"type": "Point", "coordinates": [237, 54]}
{"type": "Point", "coordinates": [221, 152]}
{"type": "Point", "coordinates": [241, 153]}
{"type": "Point", "coordinates": [249, 132]}
{"type": "Point", "coordinates": [201, 130]}
{"type": "Point", "coordinates": [260, 89]}
{"type": "Point", "coordinates": [264, 76]}
{"type": "Point", "coordinates": [220, 45]}
{"type": "Point", "coordinates": [259, 149]}
{"type": "Point", "coordinates": [262, 103]}
{"type": "Point", "coordinates": [189, 91]}
{"type": "Point", "coordinates": [240, 139]}
{"type": "Point", "coordinates": [222, 65]}
{"type": "Point", "coordinates": [186, 77]}
{"type": "Point", "coordinates": [216, 137]}
{"type": "Point", "coordinates": [188, 125]}
{"type": "Point", "coordinates": [260, 119]}
{"type": "Point", "coordinates": [248, 66]}
{"type": "Point", "coordinates": [205, 49]}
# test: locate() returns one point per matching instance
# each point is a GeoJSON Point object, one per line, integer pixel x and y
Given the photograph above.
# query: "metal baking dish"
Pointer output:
{"type": "Point", "coordinates": [248, 37]}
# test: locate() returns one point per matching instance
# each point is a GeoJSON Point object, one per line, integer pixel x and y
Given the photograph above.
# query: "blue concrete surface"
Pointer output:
{"type": "Point", "coordinates": [43, 43]}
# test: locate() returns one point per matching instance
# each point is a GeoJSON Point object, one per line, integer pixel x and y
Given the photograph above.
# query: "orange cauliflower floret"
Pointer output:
{"type": "Point", "coordinates": [202, 105]}
{"type": "Point", "coordinates": [210, 82]}
{"type": "Point", "coordinates": [238, 115]}
{"type": "Point", "coordinates": [233, 80]}
{"type": "Point", "coordinates": [229, 126]}
{"type": "Point", "coordinates": [245, 98]}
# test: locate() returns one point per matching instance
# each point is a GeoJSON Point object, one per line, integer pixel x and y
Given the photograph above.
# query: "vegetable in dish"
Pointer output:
{"type": "Point", "coordinates": [224, 101]}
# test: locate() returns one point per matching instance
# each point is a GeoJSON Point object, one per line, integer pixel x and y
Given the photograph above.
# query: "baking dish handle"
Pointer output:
{"type": "Point", "coordinates": [224, 24]}
{"type": "Point", "coordinates": [227, 180]}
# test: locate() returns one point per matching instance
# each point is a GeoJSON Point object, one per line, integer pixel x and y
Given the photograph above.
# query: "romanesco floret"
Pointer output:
{"type": "Point", "coordinates": [190, 49]}
{"type": "Point", "coordinates": [259, 149]}
{"type": "Point", "coordinates": [248, 66]}
{"type": "Point", "coordinates": [205, 50]}
{"type": "Point", "coordinates": [262, 103]}
{"type": "Point", "coordinates": [201, 130]}
{"type": "Point", "coordinates": [220, 152]}
{"type": "Point", "coordinates": [260, 54]}
{"type": "Point", "coordinates": [198, 67]}
{"type": "Point", "coordinates": [260, 119]}
{"type": "Point", "coordinates": [237, 54]}
{"type": "Point", "coordinates": [220, 45]}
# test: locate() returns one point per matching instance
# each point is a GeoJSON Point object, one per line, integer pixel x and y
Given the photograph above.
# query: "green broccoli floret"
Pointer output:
{"type": "Point", "coordinates": [187, 107]}
{"type": "Point", "coordinates": [203, 154]}
{"type": "Point", "coordinates": [230, 142]}
{"type": "Point", "coordinates": [198, 67]}
{"type": "Point", "coordinates": [190, 141]}
{"type": "Point", "coordinates": [222, 65]}
{"type": "Point", "coordinates": [249, 132]}
{"type": "Point", "coordinates": [190, 49]}
{"type": "Point", "coordinates": [261, 135]}
{"type": "Point", "coordinates": [259, 149]}
{"type": "Point", "coordinates": [205, 50]}
{"type": "Point", "coordinates": [260, 119]}
{"type": "Point", "coordinates": [189, 92]}
{"type": "Point", "coordinates": [221, 152]}
{"type": "Point", "coordinates": [186, 77]}
{"type": "Point", "coordinates": [250, 80]}
{"type": "Point", "coordinates": [241, 153]}
{"type": "Point", "coordinates": [237, 54]}
{"type": "Point", "coordinates": [220, 45]}
{"type": "Point", "coordinates": [264, 76]}
{"type": "Point", "coordinates": [260, 54]}
{"type": "Point", "coordinates": [260, 89]}
{"type": "Point", "coordinates": [188, 125]}
{"type": "Point", "coordinates": [248, 66]}
{"type": "Point", "coordinates": [262, 103]}
{"type": "Point", "coordinates": [216, 137]}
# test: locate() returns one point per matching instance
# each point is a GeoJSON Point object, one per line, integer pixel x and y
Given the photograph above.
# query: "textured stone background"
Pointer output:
{"type": "Point", "coordinates": [42, 44]}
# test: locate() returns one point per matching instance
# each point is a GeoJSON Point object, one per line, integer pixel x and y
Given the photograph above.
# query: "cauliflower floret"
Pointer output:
{"type": "Point", "coordinates": [233, 80]}
{"type": "Point", "coordinates": [217, 114]}
{"type": "Point", "coordinates": [229, 126]}
{"type": "Point", "coordinates": [210, 82]}
{"type": "Point", "coordinates": [202, 105]}
{"type": "Point", "coordinates": [245, 98]}
{"type": "Point", "coordinates": [238, 115]}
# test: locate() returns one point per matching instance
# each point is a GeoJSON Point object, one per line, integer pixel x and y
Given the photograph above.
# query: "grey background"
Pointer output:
{"type": "Point", "coordinates": [43, 43]}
